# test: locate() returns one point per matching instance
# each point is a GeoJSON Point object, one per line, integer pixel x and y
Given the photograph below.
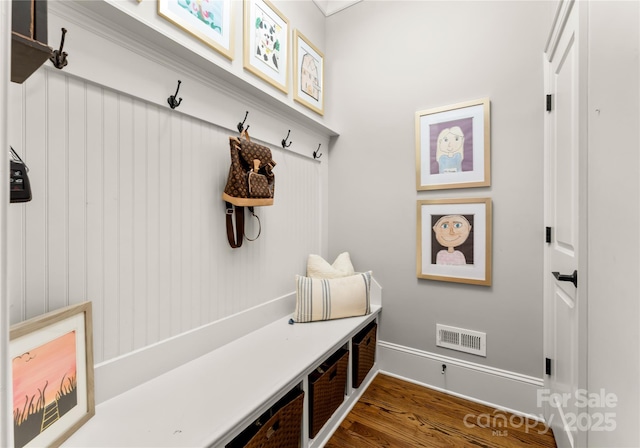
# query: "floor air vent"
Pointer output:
{"type": "Point", "coordinates": [468, 341]}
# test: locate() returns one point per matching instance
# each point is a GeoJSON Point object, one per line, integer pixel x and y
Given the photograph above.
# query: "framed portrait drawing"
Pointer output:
{"type": "Point", "coordinates": [52, 368]}
{"type": "Point", "coordinates": [454, 240]}
{"type": "Point", "coordinates": [453, 146]}
{"type": "Point", "coordinates": [266, 43]}
{"type": "Point", "coordinates": [308, 76]}
{"type": "Point", "coordinates": [210, 21]}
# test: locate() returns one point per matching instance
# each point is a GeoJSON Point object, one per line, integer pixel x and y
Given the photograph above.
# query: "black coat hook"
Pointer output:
{"type": "Point", "coordinates": [59, 57]}
{"type": "Point", "coordinates": [241, 125]}
{"type": "Point", "coordinates": [172, 99]}
{"type": "Point", "coordinates": [316, 153]}
{"type": "Point", "coordinates": [284, 140]}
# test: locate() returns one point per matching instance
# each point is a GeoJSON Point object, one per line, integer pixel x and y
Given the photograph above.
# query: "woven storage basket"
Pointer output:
{"type": "Point", "coordinates": [327, 386]}
{"type": "Point", "coordinates": [364, 353]}
{"type": "Point", "coordinates": [279, 427]}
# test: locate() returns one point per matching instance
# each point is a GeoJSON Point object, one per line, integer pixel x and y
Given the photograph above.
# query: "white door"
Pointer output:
{"type": "Point", "coordinates": [564, 178]}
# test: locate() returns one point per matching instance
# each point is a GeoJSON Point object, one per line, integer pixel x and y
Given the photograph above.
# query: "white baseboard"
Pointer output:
{"type": "Point", "coordinates": [501, 389]}
{"type": "Point", "coordinates": [120, 374]}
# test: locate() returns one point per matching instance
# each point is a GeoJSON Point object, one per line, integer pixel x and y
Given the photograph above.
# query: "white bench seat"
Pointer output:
{"type": "Point", "coordinates": [209, 400]}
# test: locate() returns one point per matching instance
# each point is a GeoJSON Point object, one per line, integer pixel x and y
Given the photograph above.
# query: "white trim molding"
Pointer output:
{"type": "Point", "coordinates": [330, 7]}
{"type": "Point", "coordinates": [498, 388]}
{"type": "Point", "coordinates": [6, 403]}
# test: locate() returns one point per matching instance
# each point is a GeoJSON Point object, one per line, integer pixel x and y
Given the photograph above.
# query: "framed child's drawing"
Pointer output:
{"type": "Point", "coordinates": [52, 370]}
{"type": "Point", "coordinates": [210, 21]}
{"type": "Point", "coordinates": [266, 43]}
{"type": "Point", "coordinates": [308, 77]}
{"type": "Point", "coordinates": [453, 146]}
{"type": "Point", "coordinates": [454, 240]}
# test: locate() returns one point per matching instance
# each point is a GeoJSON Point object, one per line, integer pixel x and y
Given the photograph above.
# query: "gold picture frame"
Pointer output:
{"type": "Point", "coordinates": [266, 43]}
{"type": "Point", "coordinates": [308, 85]}
{"type": "Point", "coordinates": [453, 146]}
{"type": "Point", "coordinates": [52, 370]}
{"type": "Point", "coordinates": [213, 25]}
{"type": "Point", "coordinates": [454, 240]}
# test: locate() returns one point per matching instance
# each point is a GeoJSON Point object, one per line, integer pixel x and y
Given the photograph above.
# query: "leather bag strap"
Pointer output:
{"type": "Point", "coordinates": [235, 240]}
{"type": "Point", "coordinates": [251, 210]}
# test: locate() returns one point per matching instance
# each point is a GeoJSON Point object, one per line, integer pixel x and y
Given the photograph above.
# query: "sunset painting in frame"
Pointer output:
{"type": "Point", "coordinates": [52, 376]}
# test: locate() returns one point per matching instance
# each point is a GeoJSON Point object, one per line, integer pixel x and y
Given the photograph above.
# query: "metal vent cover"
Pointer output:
{"type": "Point", "coordinates": [462, 340]}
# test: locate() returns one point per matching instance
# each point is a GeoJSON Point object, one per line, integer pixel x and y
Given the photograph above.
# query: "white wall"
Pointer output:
{"type": "Point", "coordinates": [415, 59]}
{"type": "Point", "coordinates": [127, 210]}
{"type": "Point", "coordinates": [402, 57]}
{"type": "Point", "coordinates": [614, 218]}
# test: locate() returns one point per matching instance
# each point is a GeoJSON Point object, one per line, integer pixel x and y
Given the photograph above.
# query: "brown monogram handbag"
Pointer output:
{"type": "Point", "coordinates": [251, 183]}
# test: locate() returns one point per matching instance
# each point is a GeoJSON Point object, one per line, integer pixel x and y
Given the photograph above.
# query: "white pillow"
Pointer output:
{"type": "Point", "coordinates": [324, 299]}
{"type": "Point", "coordinates": [318, 267]}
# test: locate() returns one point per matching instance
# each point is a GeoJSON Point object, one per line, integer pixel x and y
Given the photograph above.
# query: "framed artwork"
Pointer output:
{"type": "Point", "coordinates": [208, 20]}
{"type": "Point", "coordinates": [308, 86]}
{"type": "Point", "coordinates": [454, 240]}
{"type": "Point", "coordinates": [266, 43]}
{"type": "Point", "coordinates": [453, 146]}
{"type": "Point", "coordinates": [52, 366]}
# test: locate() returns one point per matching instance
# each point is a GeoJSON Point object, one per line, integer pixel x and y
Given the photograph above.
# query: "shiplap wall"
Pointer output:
{"type": "Point", "coordinates": [126, 212]}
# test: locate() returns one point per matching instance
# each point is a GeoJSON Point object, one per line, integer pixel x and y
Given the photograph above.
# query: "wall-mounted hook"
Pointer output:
{"type": "Point", "coordinates": [241, 124]}
{"type": "Point", "coordinates": [316, 153]}
{"type": "Point", "coordinates": [444, 368]}
{"type": "Point", "coordinates": [284, 140]}
{"type": "Point", "coordinates": [59, 57]}
{"type": "Point", "coordinates": [172, 99]}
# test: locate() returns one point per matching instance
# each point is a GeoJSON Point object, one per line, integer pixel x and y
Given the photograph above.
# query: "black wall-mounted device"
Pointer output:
{"type": "Point", "coordinates": [19, 186]}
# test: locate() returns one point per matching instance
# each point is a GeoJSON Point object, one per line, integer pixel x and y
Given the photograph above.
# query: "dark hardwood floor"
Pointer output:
{"type": "Point", "coordinates": [395, 413]}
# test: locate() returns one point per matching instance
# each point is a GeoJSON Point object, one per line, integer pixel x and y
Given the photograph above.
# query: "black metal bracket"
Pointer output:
{"type": "Point", "coordinates": [19, 185]}
{"type": "Point", "coordinates": [59, 57]}
{"type": "Point", "coordinates": [316, 153]}
{"type": "Point", "coordinates": [549, 104]}
{"type": "Point", "coordinates": [241, 124]}
{"type": "Point", "coordinates": [173, 103]}
{"type": "Point", "coordinates": [284, 140]}
{"type": "Point", "coordinates": [547, 366]}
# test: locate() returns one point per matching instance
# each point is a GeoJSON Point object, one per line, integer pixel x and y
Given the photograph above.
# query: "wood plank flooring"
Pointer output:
{"type": "Point", "coordinates": [395, 413]}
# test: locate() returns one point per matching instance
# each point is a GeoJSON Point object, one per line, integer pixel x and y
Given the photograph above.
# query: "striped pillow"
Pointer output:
{"type": "Point", "coordinates": [324, 299]}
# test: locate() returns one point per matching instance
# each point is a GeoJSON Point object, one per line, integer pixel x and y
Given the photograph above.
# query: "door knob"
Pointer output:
{"type": "Point", "coordinates": [573, 278]}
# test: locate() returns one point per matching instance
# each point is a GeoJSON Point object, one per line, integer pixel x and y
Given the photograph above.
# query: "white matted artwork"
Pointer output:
{"type": "Point", "coordinates": [266, 43]}
{"type": "Point", "coordinates": [308, 74]}
{"type": "Point", "coordinates": [454, 240]}
{"type": "Point", "coordinates": [210, 21]}
{"type": "Point", "coordinates": [453, 146]}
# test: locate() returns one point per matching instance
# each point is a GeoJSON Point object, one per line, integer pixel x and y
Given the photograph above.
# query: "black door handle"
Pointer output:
{"type": "Point", "coordinates": [573, 278]}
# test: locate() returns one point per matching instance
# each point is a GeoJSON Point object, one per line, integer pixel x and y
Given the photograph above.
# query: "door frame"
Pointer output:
{"type": "Point", "coordinates": [6, 404]}
{"type": "Point", "coordinates": [563, 12]}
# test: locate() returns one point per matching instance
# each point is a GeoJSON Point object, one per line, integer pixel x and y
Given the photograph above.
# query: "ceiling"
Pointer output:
{"type": "Point", "coordinates": [329, 7]}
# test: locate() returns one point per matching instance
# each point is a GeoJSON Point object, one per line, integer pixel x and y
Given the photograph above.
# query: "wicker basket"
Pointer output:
{"type": "Point", "coordinates": [364, 353]}
{"type": "Point", "coordinates": [279, 427]}
{"type": "Point", "coordinates": [327, 386]}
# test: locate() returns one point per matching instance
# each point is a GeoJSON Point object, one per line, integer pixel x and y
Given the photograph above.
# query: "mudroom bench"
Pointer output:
{"type": "Point", "coordinates": [210, 400]}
